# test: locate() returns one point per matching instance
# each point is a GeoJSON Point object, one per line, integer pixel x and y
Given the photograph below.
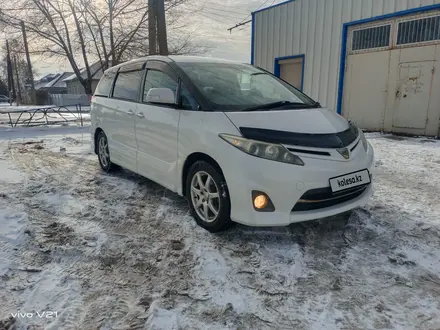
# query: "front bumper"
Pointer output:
{"type": "Point", "coordinates": [285, 184]}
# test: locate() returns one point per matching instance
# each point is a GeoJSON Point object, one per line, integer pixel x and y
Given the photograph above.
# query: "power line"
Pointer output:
{"type": "Point", "coordinates": [215, 19]}
{"type": "Point", "coordinates": [244, 7]}
{"type": "Point", "coordinates": [224, 12]}
{"type": "Point", "coordinates": [261, 6]}
{"type": "Point", "coordinates": [233, 18]}
{"type": "Point", "coordinates": [248, 21]}
{"type": "Point", "coordinates": [233, 9]}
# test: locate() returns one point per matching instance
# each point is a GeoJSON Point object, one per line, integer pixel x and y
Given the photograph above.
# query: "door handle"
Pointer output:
{"type": "Point", "coordinates": [140, 115]}
{"type": "Point", "coordinates": [130, 113]}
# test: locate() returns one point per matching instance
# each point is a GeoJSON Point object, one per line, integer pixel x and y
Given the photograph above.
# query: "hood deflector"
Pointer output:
{"type": "Point", "coordinates": [327, 140]}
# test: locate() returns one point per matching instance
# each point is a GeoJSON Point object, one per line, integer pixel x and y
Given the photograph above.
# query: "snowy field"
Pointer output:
{"type": "Point", "coordinates": [119, 252]}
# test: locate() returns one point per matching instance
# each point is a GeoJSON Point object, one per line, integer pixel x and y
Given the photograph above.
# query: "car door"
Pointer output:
{"type": "Point", "coordinates": [156, 128]}
{"type": "Point", "coordinates": [121, 116]}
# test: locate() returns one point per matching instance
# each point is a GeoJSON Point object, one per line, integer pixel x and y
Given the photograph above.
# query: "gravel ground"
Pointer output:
{"type": "Point", "coordinates": [81, 249]}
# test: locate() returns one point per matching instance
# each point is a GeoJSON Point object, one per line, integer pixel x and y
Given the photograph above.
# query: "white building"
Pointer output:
{"type": "Point", "coordinates": [374, 61]}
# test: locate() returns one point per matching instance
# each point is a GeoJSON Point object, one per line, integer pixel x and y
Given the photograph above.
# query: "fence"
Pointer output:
{"type": "Point", "coordinates": [69, 99]}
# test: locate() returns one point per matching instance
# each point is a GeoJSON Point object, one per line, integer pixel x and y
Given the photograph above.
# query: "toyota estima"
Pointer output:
{"type": "Point", "coordinates": [239, 143]}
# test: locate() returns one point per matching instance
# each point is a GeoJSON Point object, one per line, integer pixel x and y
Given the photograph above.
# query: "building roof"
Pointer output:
{"type": "Point", "coordinates": [44, 80]}
{"type": "Point", "coordinates": [48, 77]}
{"type": "Point", "coordinates": [58, 81]}
{"type": "Point", "coordinates": [95, 69]}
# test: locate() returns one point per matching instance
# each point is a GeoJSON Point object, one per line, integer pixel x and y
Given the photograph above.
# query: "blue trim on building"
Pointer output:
{"type": "Point", "coordinates": [276, 66]}
{"type": "Point", "coordinates": [362, 21]}
{"type": "Point", "coordinates": [253, 39]}
{"type": "Point", "coordinates": [273, 6]}
{"type": "Point", "coordinates": [253, 26]}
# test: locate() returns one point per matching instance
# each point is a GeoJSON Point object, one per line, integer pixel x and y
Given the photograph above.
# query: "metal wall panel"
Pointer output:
{"type": "Point", "coordinates": [314, 28]}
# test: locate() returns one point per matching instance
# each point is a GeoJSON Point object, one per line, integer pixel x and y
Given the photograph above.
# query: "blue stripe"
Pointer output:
{"type": "Point", "coordinates": [276, 66]}
{"type": "Point", "coordinates": [342, 68]}
{"type": "Point", "coordinates": [362, 21]}
{"type": "Point", "coordinates": [253, 39]}
{"type": "Point", "coordinates": [270, 7]}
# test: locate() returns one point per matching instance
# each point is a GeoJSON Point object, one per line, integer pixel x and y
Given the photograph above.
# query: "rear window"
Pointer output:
{"type": "Point", "coordinates": [105, 84]}
{"type": "Point", "coordinates": [127, 85]}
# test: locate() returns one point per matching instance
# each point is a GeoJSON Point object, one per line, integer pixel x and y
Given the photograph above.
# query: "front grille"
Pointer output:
{"type": "Point", "coordinates": [312, 152]}
{"type": "Point", "coordinates": [323, 197]}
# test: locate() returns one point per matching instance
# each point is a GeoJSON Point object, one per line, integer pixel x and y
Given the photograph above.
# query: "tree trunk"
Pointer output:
{"type": "Point", "coordinates": [112, 38]}
{"type": "Point", "coordinates": [28, 59]}
{"type": "Point", "coordinates": [161, 27]}
{"type": "Point", "coordinates": [87, 84]}
{"type": "Point", "coordinates": [152, 30]}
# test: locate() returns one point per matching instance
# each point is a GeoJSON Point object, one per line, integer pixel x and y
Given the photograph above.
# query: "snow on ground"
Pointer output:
{"type": "Point", "coordinates": [120, 252]}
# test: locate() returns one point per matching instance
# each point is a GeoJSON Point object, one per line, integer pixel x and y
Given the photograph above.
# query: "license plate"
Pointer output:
{"type": "Point", "coordinates": [351, 180]}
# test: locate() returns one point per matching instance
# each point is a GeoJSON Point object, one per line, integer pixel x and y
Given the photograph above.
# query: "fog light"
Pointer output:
{"type": "Point", "coordinates": [260, 202]}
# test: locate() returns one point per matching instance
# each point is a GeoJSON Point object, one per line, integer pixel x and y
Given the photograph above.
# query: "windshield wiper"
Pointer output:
{"type": "Point", "coordinates": [274, 105]}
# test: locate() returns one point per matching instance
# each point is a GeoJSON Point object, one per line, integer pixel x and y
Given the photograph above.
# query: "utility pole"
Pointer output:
{"type": "Point", "coordinates": [18, 81]}
{"type": "Point", "coordinates": [28, 59]}
{"type": "Point", "coordinates": [152, 32]}
{"type": "Point", "coordinates": [11, 86]}
{"type": "Point", "coordinates": [161, 27]}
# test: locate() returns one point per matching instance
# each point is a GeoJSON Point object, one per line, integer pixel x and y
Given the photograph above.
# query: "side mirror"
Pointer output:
{"type": "Point", "coordinates": [161, 95]}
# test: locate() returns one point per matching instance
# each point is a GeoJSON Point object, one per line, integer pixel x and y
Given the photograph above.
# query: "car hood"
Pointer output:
{"type": "Point", "coordinates": [311, 121]}
{"type": "Point", "coordinates": [318, 128]}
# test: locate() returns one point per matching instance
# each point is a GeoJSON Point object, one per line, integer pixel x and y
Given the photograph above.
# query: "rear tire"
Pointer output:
{"type": "Point", "coordinates": [104, 154]}
{"type": "Point", "coordinates": [208, 197]}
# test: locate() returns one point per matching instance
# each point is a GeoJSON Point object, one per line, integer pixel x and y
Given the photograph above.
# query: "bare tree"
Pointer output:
{"type": "Point", "coordinates": [87, 31]}
{"type": "Point", "coordinates": [21, 73]}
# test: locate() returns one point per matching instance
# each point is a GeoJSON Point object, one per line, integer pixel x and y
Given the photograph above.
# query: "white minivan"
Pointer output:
{"type": "Point", "coordinates": [239, 143]}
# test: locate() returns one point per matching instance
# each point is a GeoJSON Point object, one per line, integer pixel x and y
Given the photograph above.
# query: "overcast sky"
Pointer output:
{"type": "Point", "coordinates": [209, 25]}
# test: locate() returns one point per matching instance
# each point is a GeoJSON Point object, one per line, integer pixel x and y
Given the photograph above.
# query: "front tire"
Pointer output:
{"type": "Point", "coordinates": [104, 154]}
{"type": "Point", "coordinates": [208, 197]}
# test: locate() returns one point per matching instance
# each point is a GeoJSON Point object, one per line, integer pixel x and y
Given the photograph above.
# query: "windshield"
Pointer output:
{"type": "Point", "coordinates": [240, 87]}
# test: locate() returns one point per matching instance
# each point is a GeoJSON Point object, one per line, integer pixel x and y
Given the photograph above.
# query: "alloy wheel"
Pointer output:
{"type": "Point", "coordinates": [103, 152]}
{"type": "Point", "coordinates": [205, 196]}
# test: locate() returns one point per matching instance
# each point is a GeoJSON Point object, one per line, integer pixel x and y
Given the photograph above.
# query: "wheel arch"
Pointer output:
{"type": "Point", "coordinates": [190, 160]}
{"type": "Point", "coordinates": [95, 138]}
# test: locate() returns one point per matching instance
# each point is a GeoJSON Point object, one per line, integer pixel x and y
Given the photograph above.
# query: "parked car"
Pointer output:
{"type": "Point", "coordinates": [4, 99]}
{"type": "Point", "coordinates": [260, 153]}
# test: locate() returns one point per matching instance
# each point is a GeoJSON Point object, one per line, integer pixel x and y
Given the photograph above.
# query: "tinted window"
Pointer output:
{"type": "Point", "coordinates": [375, 37]}
{"type": "Point", "coordinates": [105, 84]}
{"type": "Point", "coordinates": [127, 85]}
{"type": "Point", "coordinates": [188, 102]}
{"type": "Point", "coordinates": [159, 79]}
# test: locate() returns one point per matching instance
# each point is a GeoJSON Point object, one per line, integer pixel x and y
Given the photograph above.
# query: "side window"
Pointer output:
{"type": "Point", "coordinates": [158, 79]}
{"type": "Point", "coordinates": [105, 84]}
{"type": "Point", "coordinates": [127, 85]}
{"type": "Point", "coordinates": [187, 101]}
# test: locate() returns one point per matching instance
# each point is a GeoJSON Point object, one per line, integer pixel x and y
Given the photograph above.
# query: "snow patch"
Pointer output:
{"type": "Point", "coordinates": [10, 174]}
{"type": "Point", "coordinates": [160, 319]}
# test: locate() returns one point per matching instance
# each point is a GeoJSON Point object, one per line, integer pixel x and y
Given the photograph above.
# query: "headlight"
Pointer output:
{"type": "Point", "coordinates": [262, 149]}
{"type": "Point", "coordinates": [363, 139]}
